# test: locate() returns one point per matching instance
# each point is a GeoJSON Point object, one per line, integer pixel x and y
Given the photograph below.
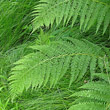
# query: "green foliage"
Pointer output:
{"type": "Point", "coordinates": [90, 12]}
{"type": "Point", "coordinates": [15, 20]}
{"type": "Point", "coordinates": [56, 100]}
{"type": "Point", "coordinates": [49, 63]}
{"type": "Point", "coordinates": [105, 77]}
{"type": "Point", "coordinates": [95, 95]}
{"type": "Point", "coordinates": [41, 68]}
{"type": "Point", "coordinates": [43, 38]}
{"type": "Point", "coordinates": [6, 63]}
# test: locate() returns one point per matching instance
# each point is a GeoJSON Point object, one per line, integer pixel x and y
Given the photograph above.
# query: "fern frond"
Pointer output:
{"type": "Point", "coordinates": [96, 95]}
{"type": "Point", "coordinates": [97, 86]}
{"type": "Point", "coordinates": [90, 12]}
{"type": "Point", "coordinates": [49, 63]}
{"type": "Point", "coordinates": [93, 93]}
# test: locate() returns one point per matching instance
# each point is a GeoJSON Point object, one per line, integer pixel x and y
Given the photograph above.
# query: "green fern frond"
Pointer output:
{"type": "Point", "coordinates": [90, 12]}
{"type": "Point", "coordinates": [93, 93]}
{"type": "Point", "coordinates": [49, 63]}
{"type": "Point", "coordinates": [97, 86]}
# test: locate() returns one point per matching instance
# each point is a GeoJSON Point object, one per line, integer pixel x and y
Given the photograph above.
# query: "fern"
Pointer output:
{"type": "Point", "coordinates": [49, 63]}
{"type": "Point", "coordinates": [89, 11]}
{"type": "Point", "coordinates": [95, 95]}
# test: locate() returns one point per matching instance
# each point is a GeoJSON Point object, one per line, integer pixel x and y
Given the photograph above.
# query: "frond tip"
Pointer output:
{"type": "Point", "coordinates": [49, 63]}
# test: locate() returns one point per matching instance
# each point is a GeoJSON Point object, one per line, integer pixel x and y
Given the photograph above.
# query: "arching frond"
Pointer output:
{"type": "Point", "coordinates": [49, 63]}
{"type": "Point", "coordinates": [90, 12]}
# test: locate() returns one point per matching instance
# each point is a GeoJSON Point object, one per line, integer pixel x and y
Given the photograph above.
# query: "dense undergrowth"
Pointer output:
{"type": "Point", "coordinates": [54, 55]}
